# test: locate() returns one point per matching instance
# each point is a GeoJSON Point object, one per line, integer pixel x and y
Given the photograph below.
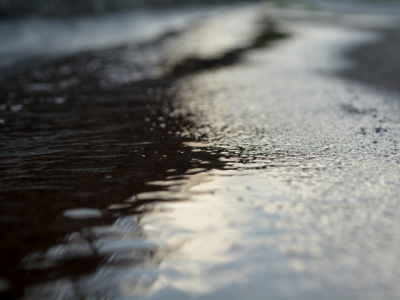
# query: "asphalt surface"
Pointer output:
{"type": "Point", "coordinates": [257, 159]}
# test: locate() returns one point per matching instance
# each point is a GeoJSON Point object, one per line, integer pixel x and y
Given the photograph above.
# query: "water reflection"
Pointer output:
{"type": "Point", "coordinates": [276, 197]}
{"type": "Point", "coordinates": [99, 262]}
{"type": "Point", "coordinates": [121, 259]}
{"type": "Point", "coordinates": [76, 144]}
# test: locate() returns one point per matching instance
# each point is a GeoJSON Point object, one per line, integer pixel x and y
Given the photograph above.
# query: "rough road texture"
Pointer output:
{"type": "Point", "coordinates": [302, 202]}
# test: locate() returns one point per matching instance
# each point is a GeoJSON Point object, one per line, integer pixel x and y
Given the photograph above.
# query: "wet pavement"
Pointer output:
{"type": "Point", "coordinates": [227, 161]}
{"type": "Point", "coordinates": [81, 136]}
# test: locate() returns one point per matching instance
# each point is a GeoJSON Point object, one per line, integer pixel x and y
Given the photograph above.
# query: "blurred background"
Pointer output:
{"type": "Point", "coordinates": [10, 8]}
{"type": "Point", "coordinates": [63, 7]}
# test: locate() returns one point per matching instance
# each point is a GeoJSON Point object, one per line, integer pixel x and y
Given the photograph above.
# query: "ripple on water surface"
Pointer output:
{"type": "Point", "coordinates": [291, 188]}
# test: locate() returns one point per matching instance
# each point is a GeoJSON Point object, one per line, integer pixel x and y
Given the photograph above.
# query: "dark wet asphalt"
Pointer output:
{"type": "Point", "coordinates": [377, 64]}
{"type": "Point", "coordinates": [70, 140]}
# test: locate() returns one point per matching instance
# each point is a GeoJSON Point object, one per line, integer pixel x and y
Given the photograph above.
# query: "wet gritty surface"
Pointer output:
{"type": "Point", "coordinates": [290, 189]}
{"type": "Point", "coordinates": [320, 178]}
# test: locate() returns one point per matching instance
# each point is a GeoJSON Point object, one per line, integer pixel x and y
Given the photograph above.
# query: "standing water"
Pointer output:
{"type": "Point", "coordinates": [225, 161]}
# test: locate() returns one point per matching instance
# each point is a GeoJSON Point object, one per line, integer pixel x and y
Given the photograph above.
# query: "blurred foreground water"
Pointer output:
{"type": "Point", "coordinates": [244, 156]}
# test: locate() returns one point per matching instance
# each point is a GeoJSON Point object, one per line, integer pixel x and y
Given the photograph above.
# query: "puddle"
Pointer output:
{"type": "Point", "coordinates": [229, 172]}
{"type": "Point", "coordinates": [72, 153]}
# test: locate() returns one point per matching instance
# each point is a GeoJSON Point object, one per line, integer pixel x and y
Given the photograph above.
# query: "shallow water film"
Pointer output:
{"type": "Point", "coordinates": [233, 152]}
